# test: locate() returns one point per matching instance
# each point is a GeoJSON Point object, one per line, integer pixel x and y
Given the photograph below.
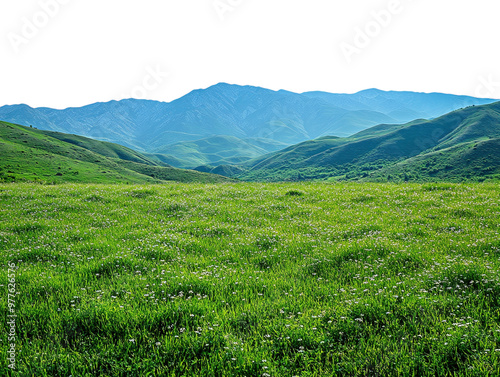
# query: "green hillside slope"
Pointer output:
{"type": "Point", "coordinates": [32, 155]}
{"type": "Point", "coordinates": [218, 150]}
{"type": "Point", "coordinates": [473, 161]}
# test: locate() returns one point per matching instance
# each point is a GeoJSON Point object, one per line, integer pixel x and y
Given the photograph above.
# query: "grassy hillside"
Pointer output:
{"type": "Point", "coordinates": [431, 149]}
{"type": "Point", "coordinates": [473, 161]}
{"type": "Point", "coordinates": [224, 170]}
{"type": "Point", "coordinates": [252, 279]}
{"type": "Point", "coordinates": [218, 150]}
{"type": "Point", "coordinates": [32, 155]}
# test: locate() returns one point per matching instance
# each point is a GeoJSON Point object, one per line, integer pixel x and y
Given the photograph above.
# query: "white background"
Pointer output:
{"type": "Point", "coordinates": [84, 51]}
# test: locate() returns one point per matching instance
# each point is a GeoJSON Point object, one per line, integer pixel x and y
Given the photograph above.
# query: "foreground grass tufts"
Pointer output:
{"type": "Point", "coordinates": [253, 279]}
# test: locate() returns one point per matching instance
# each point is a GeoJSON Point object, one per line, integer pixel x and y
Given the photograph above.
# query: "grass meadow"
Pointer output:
{"type": "Point", "coordinates": [249, 279]}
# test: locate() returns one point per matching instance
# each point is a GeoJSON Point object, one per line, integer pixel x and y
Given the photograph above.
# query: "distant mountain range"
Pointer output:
{"type": "Point", "coordinates": [463, 145]}
{"type": "Point", "coordinates": [230, 123]}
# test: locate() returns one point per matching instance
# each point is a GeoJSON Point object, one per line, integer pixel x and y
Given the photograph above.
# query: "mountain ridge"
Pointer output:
{"type": "Point", "coordinates": [244, 112]}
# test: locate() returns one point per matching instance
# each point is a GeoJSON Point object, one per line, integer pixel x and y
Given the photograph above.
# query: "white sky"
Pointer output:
{"type": "Point", "coordinates": [84, 51]}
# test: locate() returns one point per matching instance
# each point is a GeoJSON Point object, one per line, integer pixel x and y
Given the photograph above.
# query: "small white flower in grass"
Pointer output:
{"type": "Point", "coordinates": [132, 340]}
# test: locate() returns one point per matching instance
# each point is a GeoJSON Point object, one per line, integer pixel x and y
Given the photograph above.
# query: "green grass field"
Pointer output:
{"type": "Point", "coordinates": [247, 279]}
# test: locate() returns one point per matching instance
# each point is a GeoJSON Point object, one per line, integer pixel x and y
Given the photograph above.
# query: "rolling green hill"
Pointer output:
{"type": "Point", "coordinates": [218, 150]}
{"type": "Point", "coordinates": [462, 145]}
{"type": "Point", "coordinates": [32, 155]}
{"type": "Point", "coordinates": [472, 161]}
{"type": "Point", "coordinates": [224, 170]}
